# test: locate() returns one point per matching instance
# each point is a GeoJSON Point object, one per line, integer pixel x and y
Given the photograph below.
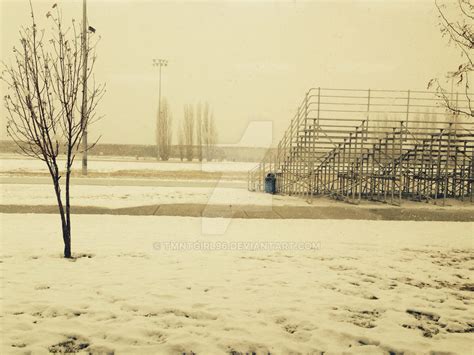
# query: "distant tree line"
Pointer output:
{"type": "Point", "coordinates": [424, 122]}
{"type": "Point", "coordinates": [196, 135]}
{"type": "Point", "coordinates": [144, 151]}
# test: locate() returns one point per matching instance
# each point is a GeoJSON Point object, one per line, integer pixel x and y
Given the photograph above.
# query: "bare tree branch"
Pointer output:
{"type": "Point", "coordinates": [43, 101]}
{"type": "Point", "coordinates": [456, 22]}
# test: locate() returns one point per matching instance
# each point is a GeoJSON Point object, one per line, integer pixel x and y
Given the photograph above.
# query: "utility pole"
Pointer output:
{"type": "Point", "coordinates": [159, 63]}
{"type": "Point", "coordinates": [84, 88]}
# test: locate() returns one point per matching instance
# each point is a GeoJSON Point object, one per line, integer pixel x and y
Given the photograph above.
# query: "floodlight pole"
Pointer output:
{"type": "Point", "coordinates": [84, 88]}
{"type": "Point", "coordinates": [159, 92]}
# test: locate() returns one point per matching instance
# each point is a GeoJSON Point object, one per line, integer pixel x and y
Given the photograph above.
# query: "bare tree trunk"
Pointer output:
{"type": "Point", "coordinates": [199, 130]}
{"type": "Point", "coordinates": [67, 244]}
{"type": "Point", "coordinates": [213, 137]}
{"type": "Point", "coordinates": [64, 225]}
{"type": "Point", "coordinates": [188, 126]}
{"type": "Point", "coordinates": [164, 131]}
{"type": "Point", "coordinates": [206, 130]}
{"type": "Point", "coordinates": [181, 142]}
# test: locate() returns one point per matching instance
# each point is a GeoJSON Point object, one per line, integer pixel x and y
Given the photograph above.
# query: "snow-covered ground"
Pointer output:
{"type": "Point", "coordinates": [131, 196]}
{"type": "Point", "coordinates": [121, 196]}
{"type": "Point", "coordinates": [353, 287]}
{"type": "Point", "coordinates": [18, 164]}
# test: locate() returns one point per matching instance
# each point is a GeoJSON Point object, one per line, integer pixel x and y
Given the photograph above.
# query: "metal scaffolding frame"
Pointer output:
{"type": "Point", "coordinates": [381, 145]}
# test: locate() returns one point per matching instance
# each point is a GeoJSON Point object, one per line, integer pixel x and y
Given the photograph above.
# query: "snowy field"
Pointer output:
{"type": "Point", "coordinates": [131, 196]}
{"type": "Point", "coordinates": [355, 287]}
{"type": "Point", "coordinates": [19, 164]}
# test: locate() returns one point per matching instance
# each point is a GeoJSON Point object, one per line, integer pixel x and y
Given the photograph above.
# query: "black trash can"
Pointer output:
{"type": "Point", "coordinates": [270, 183]}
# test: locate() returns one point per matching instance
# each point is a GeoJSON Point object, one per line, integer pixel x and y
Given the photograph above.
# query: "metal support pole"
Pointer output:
{"type": "Point", "coordinates": [84, 117]}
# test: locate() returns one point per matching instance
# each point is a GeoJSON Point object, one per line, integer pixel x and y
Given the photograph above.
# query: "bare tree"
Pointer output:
{"type": "Point", "coordinates": [456, 21]}
{"type": "Point", "coordinates": [180, 133]}
{"type": "Point", "coordinates": [209, 132]}
{"type": "Point", "coordinates": [416, 126]}
{"type": "Point", "coordinates": [164, 131]}
{"type": "Point", "coordinates": [381, 124]}
{"type": "Point", "coordinates": [205, 130]}
{"type": "Point", "coordinates": [199, 136]}
{"type": "Point", "coordinates": [46, 117]}
{"type": "Point", "coordinates": [212, 137]}
{"type": "Point", "coordinates": [188, 128]}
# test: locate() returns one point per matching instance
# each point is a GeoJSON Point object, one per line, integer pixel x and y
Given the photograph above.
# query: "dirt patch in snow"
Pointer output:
{"type": "Point", "coordinates": [265, 212]}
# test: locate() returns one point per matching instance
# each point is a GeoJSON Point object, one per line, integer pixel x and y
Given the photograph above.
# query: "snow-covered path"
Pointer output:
{"type": "Point", "coordinates": [349, 286]}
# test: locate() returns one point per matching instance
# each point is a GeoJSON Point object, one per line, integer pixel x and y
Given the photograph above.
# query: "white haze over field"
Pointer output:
{"type": "Point", "coordinates": [252, 60]}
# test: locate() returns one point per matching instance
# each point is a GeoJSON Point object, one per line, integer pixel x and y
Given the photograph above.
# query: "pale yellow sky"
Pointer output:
{"type": "Point", "coordinates": [251, 60]}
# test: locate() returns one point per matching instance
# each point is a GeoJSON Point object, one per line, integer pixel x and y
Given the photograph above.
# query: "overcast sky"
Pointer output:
{"type": "Point", "coordinates": [252, 61]}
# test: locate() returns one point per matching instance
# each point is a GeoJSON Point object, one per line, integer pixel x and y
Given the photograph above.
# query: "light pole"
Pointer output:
{"type": "Point", "coordinates": [84, 88]}
{"type": "Point", "coordinates": [159, 63]}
